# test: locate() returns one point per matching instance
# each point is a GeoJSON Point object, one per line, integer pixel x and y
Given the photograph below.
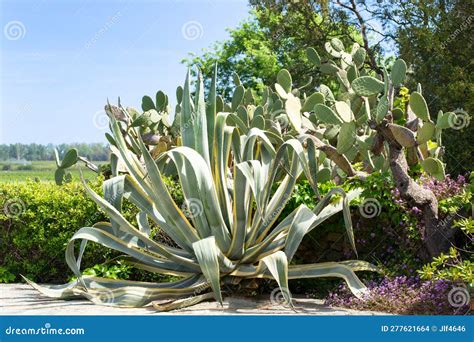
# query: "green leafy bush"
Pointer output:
{"type": "Point", "coordinates": [449, 266]}
{"type": "Point", "coordinates": [37, 220]}
{"type": "Point", "coordinates": [6, 276]}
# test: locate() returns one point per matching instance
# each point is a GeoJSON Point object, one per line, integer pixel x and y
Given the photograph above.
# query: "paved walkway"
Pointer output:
{"type": "Point", "coordinates": [21, 299]}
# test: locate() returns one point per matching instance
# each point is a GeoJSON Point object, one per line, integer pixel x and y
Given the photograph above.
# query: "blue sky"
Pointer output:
{"type": "Point", "coordinates": [61, 60]}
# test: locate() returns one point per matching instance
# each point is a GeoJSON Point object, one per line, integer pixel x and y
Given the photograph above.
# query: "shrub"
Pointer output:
{"type": "Point", "coordinates": [449, 266]}
{"type": "Point", "coordinates": [6, 276]}
{"type": "Point", "coordinates": [25, 168]}
{"type": "Point", "coordinates": [38, 220]}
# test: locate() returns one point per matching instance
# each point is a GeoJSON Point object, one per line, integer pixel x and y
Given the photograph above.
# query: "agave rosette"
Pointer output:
{"type": "Point", "coordinates": [240, 184]}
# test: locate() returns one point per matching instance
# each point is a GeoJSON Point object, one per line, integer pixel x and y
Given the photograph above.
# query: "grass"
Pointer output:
{"type": "Point", "coordinates": [39, 170]}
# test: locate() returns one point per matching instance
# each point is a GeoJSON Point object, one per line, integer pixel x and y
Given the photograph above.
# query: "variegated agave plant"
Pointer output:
{"type": "Point", "coordinates": [240, 185]}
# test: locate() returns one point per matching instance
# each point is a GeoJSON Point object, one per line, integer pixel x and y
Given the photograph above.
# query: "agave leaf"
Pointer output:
{"type": "Point", "coordinates": [241, 206]}
{"type": "Point", "coordinates": [222, 147]}
{"type": "Point", "coordinates": [329, 269]}
{"type": "Point", "coordinates": [64, 291]}
{"type": "Point", "coordinates": [113, 189]}
{"type": "Point", "coordinates": [197, 181]}
{"type": "Point", "coordinates": [211, 112]}
{"type": "Point", "coordinates": [143, 224]}
{"type": "Point", "coordinates": [201, 140]}
{"type": "Point", "coordinates": [187, 116]}
{"type": "Point", "coordinates": [167, 207]}
{"type": "Point", "coordinates": [56, 158]}
{"type": "Point", "coordinates": [277, 264]}
{"type": "Point", "coordinates": [206, 252]}
{"type": "Point", "coordinates": [359, 265]}
{"type": "Point", "coordinates": [182, 303]}
{"type": "Point", "coordinates": [300, 225]}
{"type": "Point", "coordinates": [182, 267]}
{"type": "Point", "coordinates": [124, 293]}
{"type": "Point", "coordinates": [171, 226]}
{"type": "Point", "coordinates": [326, 269]}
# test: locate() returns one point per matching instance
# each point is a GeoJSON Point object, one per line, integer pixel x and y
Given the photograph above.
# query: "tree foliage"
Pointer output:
{"type": "Point", "coordinates": [432, 36]}
{"type": "Point", "coordinates": [275, 36]}
{"type": "Point", "coordinates": [34, 152]}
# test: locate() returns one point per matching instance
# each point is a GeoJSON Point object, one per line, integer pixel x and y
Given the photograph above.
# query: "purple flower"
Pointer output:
{"type": "Point", "coordinates": [401, 295]}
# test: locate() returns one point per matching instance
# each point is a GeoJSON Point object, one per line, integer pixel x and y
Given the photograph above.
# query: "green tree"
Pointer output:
{"type": "Point", "coordinates": [434, 37]}
{"type": "Point", "coordinates": [275, 36]}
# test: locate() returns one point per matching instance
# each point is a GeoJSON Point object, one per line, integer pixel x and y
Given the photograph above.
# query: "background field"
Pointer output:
{"type": "Point", "coordinates": [39, 170]}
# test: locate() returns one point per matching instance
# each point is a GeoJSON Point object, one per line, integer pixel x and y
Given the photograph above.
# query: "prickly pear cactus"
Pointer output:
{"type": "Point", "coordinates": [351, 121]}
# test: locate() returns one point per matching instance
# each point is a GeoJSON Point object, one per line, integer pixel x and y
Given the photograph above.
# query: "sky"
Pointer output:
{"type": "Point", "coordinates": [61, 60]}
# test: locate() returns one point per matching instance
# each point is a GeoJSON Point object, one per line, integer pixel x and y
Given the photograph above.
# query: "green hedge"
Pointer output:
{"type": "Point", "coordinates": [38, 219]}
